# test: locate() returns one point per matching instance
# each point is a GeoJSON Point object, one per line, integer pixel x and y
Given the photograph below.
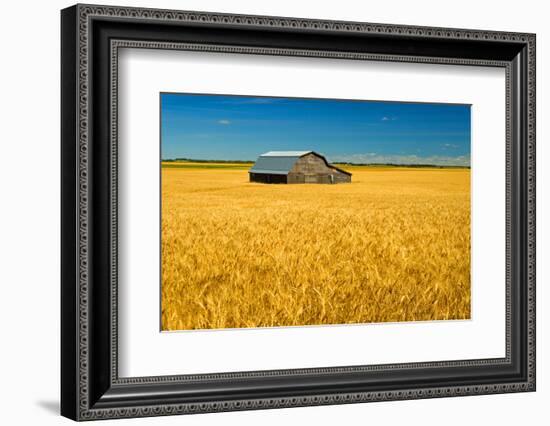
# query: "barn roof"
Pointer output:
{"type": "Point", "coordinates": [281, 162]}
{"type": "Point", "coordinates": [277, 162]}
{"type": "Point", "coordinates": [285, 153]}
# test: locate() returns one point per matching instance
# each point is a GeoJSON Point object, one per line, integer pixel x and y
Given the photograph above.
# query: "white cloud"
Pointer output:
{"type": "Point", "coordinates": [224, 122]}
{"type": "Point", "coordinates": [373, 158]}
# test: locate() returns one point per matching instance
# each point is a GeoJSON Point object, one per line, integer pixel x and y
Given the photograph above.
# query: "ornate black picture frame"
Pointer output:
{"type": "Point", "coordinates": [91, 387]}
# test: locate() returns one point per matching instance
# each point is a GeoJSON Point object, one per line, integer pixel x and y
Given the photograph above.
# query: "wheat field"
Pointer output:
{"type": "Point", "coordinates": [394, 245]}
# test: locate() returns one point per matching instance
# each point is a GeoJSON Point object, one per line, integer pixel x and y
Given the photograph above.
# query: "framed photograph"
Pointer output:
{"type": "Point", "coordinates": [263, 212]}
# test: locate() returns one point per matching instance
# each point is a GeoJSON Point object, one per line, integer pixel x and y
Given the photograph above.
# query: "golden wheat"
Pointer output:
{"type": "Point", "coordinates": [394, 245]}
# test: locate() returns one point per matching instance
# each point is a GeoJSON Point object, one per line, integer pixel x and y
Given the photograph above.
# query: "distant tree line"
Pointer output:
{"type": "Point", "coordinates": [434, 166]}
{"type": "Point", "coordinates": [193, 160]}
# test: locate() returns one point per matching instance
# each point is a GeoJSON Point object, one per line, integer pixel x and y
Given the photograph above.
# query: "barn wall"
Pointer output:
{"type": "Point", "coordinates": [310, 164]}
{"type": "Point", "coordinates": [295, 178]}
{"type": "Point", "coordinates": [313, 169]}
{"type": "Point", "coordinates": [340, 177]}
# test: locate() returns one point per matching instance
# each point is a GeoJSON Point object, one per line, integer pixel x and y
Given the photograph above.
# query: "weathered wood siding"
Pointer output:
{"type": "Point", "coordinates": [313, 169]}
{"type": "Point", "coordinates": [340, 177]}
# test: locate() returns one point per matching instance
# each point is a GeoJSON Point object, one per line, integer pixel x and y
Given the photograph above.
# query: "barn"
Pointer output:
{"type": "Point", "coordinates": [296, 167]}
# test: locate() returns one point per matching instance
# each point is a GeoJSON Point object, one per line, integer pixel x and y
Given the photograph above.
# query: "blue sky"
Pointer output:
{"type": "Point", "coordinates": [221, 127]}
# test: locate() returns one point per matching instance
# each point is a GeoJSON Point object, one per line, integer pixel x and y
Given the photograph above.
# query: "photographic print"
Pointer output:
{"type": "Point", "coordinates": [279, 211]}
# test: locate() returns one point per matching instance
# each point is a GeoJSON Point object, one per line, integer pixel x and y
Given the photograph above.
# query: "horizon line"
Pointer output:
{"type": "Point", "coordinates": [194, 160]}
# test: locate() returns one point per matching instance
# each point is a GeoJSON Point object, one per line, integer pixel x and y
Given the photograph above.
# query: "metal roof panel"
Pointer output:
{"type": "Point", "coordinates": [274, 164]}
{"type": "Point", "coordinates": [285, 153]}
